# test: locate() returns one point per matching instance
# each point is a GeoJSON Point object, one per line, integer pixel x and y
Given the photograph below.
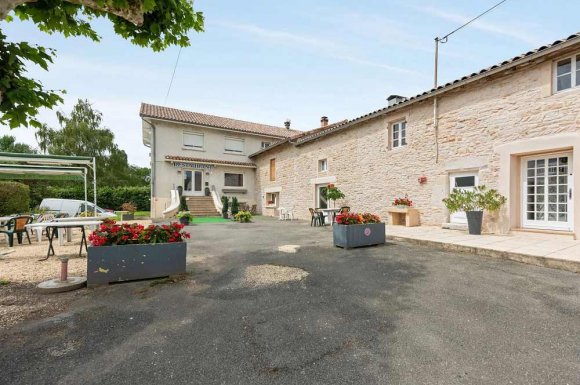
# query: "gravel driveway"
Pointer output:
{"type": "Point", "coordinates": [396, 314]}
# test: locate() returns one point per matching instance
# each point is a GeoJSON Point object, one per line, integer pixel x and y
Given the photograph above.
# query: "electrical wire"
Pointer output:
{"type": "Point", "coordinates": [444, 38]}
{"type": "Point", "coordinates": [173, 75]}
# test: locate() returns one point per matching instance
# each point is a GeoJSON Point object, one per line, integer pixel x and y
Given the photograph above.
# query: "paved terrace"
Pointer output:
{"type": "Point", "coordinates": [549, 250]}
{"type": "Point", "coordinates": [251, 314]}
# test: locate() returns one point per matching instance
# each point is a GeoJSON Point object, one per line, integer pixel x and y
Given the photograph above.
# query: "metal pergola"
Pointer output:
{"type": "Point", "coordinates": [49, 167]}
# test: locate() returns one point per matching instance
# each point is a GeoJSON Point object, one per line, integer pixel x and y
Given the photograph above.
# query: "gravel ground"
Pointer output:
{"type": "Point", "coordinates": [265, 275]}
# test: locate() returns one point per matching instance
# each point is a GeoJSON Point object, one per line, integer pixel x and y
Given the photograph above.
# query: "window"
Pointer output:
{"type": "Point", "coordinates": [235, 145]}
{"type": "Point", "coordinates": [272, 169]}
{"type": "Point", "coordinates": [322, 165]}
{"type": "Point", "coordinates": [233, 180]}
{"type": "Point", "coordinates": [272, 199]}
{"type": "Point", "coordinates": [193, 140]}
{"type": "Point", "coordinates": [399, 138]}
{"type": "Point", "coordinates": [265, 145]}
{"type": "Point", "coordinates": [567, 73]}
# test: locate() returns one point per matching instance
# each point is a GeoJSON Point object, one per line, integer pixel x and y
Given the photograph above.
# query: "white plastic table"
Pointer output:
{"type": "Point", "coordinates": [57, 226]}
{"type": "Point", "coordinates": [331, 213]}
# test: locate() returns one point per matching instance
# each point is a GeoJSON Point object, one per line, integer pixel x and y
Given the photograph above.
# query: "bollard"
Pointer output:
{"type": "Point", "coordinates": [63, 269]}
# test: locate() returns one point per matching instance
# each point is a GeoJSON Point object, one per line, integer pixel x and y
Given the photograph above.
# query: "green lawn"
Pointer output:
{"type": "Point", "coordinates": [138, 215]}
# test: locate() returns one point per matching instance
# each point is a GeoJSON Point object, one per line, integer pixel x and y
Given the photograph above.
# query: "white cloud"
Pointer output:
{"type": "Point", "coordinates": [507, 30]}
{"type": "Point", "coordinates": [321, 46]}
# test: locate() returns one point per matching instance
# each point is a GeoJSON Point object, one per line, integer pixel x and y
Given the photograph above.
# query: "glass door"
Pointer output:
{"type": "Point", "coordinates": [192, 182]}
{"type": "Point", "coordinates": [462, 181]}
{"type": "Point", "coordinates": [547, 192]}
{"type": "Point", "coordinates": [321, 202]}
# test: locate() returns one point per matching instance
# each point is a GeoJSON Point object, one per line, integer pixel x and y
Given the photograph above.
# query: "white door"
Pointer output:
{"type": "Point", "coordinates": [321, 202]}
{"type": "Point", "coordinates": [547, 194]}
{"type": "Point", "coordinates": [462, 181]}
{"type": "Point", "coordinates": [192, 182]}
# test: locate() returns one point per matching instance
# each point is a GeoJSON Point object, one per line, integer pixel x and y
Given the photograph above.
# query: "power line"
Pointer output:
{"type": "Point", "coordinates": [173, 75]}
{"type": "Point", "coordinates": [444, 38]}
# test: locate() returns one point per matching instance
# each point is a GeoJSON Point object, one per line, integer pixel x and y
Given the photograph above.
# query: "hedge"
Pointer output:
{"type": "Point", "coordinates": [14, 198]}
{"type": "Point", "coordinates": [107, 197]}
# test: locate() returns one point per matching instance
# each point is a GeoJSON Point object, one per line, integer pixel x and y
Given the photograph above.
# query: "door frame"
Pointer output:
{"type": "Point", "coordinates": [193, 172]}
{"type": "Point", "coordinates": [546, 225]}
{"type": "Point", "coordinates": [460, 216]}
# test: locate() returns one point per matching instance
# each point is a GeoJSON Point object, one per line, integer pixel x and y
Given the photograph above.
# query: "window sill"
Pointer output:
{"type": "Point", "coordinates": [235, 153]}
{"type": "Point", "coordinates": [193, 149]}
{"type": "Point", "coordinates": [271, 207]}
{"type": "Point", "coordinates": [234, 190]}
{"type": "Point", "coordinates": [398, 148]}
{"type": "Point", "coordinates": [564, 92]}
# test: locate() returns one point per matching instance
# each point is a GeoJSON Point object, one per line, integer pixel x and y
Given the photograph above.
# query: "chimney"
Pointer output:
{"type": "Point", "coordinates": [395, 99]}
{"type": "Point", "coordinates": [324, 121]}
{"type": "Point", "coordinates": [287, 124]}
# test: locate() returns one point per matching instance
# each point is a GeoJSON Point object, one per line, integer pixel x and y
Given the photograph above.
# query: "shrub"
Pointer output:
{"type": "Point", "coordinates": [477, 200]}
{"type": "Point", "coordinates": [129, 206]}
{"type": "Point", "coordinates": [235, 206]}
{"type": "Point", "coordinates": [107, 197]}
{"type": "Point", "coordinates": [14, 198]}
{"type": "Point", "coordinates": [243, 216]}
{"type": "Point", "coordinates": [110, 233]}
{"type": "Point", "coordinates": [357, 219]}
{"type": "Point", "coordinates": [225, 205]}
{"type": "Point", "coordinates": [184, 214]}
{"type": "Point", "coordinates": [183, 204]}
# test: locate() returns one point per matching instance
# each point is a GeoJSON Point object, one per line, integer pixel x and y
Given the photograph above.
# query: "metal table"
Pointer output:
{"type": "Point", "coordinates": [55, 226]}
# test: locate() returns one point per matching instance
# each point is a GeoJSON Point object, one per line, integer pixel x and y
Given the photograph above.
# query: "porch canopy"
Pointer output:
{"type": "Point", "coordinates": [49, 167]}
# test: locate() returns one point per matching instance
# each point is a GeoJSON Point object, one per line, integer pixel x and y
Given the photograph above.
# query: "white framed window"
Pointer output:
{"type": "Point", "coordinates": [265, 145]}
{"type": "Point", "coordinates": [323, 165]}
{"type": "Point", "coordinates": [193, 140]}
{"type": "Point", "coordinates": [234, 145]}
{"type": "Point", "coordinates": [272, 199]}
{"type": "Point", "coordinates": [567, 73]}
{"type": "Point", "coordinates": [399, 134]}
{"type": "Point", "coordinates": [233, 180]}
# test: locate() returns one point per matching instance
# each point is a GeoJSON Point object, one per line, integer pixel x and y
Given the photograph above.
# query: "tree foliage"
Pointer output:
{"type": "Point", "coordinates": [157, 24]}
{"type": "Point", "coordinates": [81, 134]}
{"type": "Point", "coordinates": [8, 143]}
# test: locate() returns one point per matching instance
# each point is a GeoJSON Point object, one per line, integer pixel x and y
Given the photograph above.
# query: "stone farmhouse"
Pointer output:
{"type": "Point", "coordinates": [513, 126]}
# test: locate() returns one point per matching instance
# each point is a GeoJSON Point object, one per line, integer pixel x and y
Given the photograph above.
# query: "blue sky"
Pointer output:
{"type": "Point", "coordinates": [268, 61]}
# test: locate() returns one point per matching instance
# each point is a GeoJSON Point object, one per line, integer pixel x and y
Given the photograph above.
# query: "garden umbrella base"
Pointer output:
{"type": "Point", "coordinates": [58, 286]}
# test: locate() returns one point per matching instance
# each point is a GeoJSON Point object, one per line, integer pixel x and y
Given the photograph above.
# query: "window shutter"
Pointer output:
{"type": "Point", "coordinates": [192, 140]}
{"type": "Point", "coordinates": [234, 145]}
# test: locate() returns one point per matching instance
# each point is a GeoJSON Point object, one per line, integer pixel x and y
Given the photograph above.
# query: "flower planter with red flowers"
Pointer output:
{"type": "Point", "coordinates": [357, 230]}
{"type": "Point", "coordinates": [127, 252]}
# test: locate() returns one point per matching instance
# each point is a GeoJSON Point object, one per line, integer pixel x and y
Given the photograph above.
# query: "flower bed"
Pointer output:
{"type": "Point", "coordinates": [125, 252]}
{"type": "Point", "coordinates": [356, 230]}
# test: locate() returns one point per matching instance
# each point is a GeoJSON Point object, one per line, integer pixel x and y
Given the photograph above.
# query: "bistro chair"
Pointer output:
{"type": "Point", "coordinates": [17, 225]}
{"type": "Point", "coordinates": [344, 209]}
{"type": "Point", "coordinates": [40, 230]}
{"type": "Point", "coordinates": [314, 218]}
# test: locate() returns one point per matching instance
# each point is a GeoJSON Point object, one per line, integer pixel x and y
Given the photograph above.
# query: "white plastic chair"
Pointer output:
{"type": "Point", "coordinates": [290, 214]}
{"type": "Point", "coordinates": [282, 214]}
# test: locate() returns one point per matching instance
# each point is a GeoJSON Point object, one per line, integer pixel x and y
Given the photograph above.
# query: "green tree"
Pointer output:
{"type": "Point", "coordinates": [148, 23]}
{"type": "Point", "coordinates": [8, 143]}
{"type": "Point", "coordinates": [81, 134]}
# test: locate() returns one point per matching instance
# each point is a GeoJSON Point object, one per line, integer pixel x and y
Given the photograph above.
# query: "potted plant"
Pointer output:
{"type": "Point", "coordinates": [183, 204]}
{"type": "Point", "coordinates": [125, 252]}
{"type": "Point", "coordinates": [333, 193]}
{"type": "Point", "coordinates": [225, 206]}
{"type": "Point", "coordinates": [184, 217]}
{"type": "Point", "coordinates": [356, 230]}
{"type": "Point", "coordinates": [243, 216]}
{"type": "Point", "coordinates": [473, 203]}
{"type": "Point", "coordinates": [235, 206]}
{"type": "Point", "coordinates": [128, 211]}
{"type": "Point", "coordinates": [403, 203]}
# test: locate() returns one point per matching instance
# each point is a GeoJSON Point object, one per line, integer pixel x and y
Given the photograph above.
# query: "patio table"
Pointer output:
{"type": "Point", "coordinates": [68, 231]}
{"type": "Point", "coordinates": [331, 213]}
{"type": "Point", "coordinates": [55, 226]}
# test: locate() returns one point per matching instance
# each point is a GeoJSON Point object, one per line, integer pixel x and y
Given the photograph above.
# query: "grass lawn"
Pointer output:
{"type": "Point", "coordinates": [138, 215]}
{"type": "Point", "coordinates": [198, 220]}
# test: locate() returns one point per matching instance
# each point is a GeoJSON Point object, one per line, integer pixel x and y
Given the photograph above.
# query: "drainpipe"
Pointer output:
{"type": "Point", "coordinates": [153, 165]}
{"type": "Point", "coordinates": [436, 102]}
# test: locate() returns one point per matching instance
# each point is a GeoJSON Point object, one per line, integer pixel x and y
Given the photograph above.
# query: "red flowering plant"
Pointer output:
{"type": "Point", "coordinates": [403, 201]}
{"type": "Point", "coordinates": [110, 233]}
{"type": "Point", "coordinates": [357, 219]}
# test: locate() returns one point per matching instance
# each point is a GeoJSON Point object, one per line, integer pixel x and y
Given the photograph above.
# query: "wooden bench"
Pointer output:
{"type": "Point", "coordinates": [404, 216]}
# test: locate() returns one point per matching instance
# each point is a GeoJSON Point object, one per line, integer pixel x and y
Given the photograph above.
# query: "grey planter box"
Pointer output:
{"type": "Point", "coordinates": [106, 264]}
{"type": "Point", "coordinates": [127, 216]}
{"type": "Point", "coordinates": [348, 236]}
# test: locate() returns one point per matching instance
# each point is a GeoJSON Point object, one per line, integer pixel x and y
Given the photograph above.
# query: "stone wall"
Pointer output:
{"type": "Point", "coordinates": [473, 121]}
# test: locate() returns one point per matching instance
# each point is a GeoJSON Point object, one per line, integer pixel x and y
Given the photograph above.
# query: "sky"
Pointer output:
{"type": "Point", "coordinates": [266, 61]}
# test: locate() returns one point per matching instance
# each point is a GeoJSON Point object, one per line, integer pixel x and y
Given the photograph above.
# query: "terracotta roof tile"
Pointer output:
{"type": "Point", "coordinates": [177, 158]}
{"type": "Point", "coordinates": [173, 114]}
